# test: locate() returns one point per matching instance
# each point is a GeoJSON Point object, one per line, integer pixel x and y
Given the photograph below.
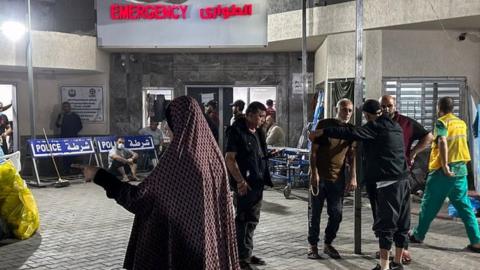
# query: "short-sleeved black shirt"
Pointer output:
{"type": "Point", "coordinates": [251, 154]}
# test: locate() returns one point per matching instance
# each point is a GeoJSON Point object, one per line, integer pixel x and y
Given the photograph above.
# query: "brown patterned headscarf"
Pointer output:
{"type": "Point", "coordinates": [191, 223]}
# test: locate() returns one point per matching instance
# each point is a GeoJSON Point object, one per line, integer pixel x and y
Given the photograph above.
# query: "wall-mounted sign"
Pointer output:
{"type": "Point", "coordinates": [175, 12]}
{"type": "Point", "coordinates": [86, 101]}
{"type": "Point", "coordinates": [297, 85]}
{"type": "Point", "coordinates": [61, 146]}
{"type": "Point", "coordinates": [181, 23]}
{"type": "Point", "coordinates": [141, 142]}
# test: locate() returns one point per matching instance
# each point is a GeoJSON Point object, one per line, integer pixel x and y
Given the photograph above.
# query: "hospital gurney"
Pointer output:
{"type": "Point", "coordinates": [290, 165]}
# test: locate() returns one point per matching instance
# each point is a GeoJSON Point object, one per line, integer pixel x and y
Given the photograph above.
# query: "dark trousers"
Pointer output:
{"type": "Point", "coordinates": [246, 220]}
{"type": "Point", "coordinates": [67, 162]}
{"type": "Point", "coordinates": [149, 156]}
{"type": "Point", "coordinates": [332, 192]}
{"type": "Point", "coordinates": [392, 220]}
{"type": "Point", "coordinates": [372, 197]}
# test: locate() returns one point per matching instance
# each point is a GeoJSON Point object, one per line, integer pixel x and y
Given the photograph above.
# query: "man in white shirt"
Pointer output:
{"type": "Point", "coordinates": [275, 134]}
{"type": "Point", "coordinates": [122, 161]}
{"type": "Point", "coordinates": [156, 134]}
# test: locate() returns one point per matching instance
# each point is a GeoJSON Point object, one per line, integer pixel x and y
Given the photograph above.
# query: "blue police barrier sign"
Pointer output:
{"type": "Point", "coordinates": [141, 142]}
{"type": "Point", "coordinates": [61, 147]}
{"type": "Point", "coordinates": [105, 143]}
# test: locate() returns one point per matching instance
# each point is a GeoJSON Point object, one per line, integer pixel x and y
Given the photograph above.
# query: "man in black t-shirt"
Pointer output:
{"type": "Point", "coordinates": [412, 131]}
{"type": "Point", "coordinates": [246, 160]}
{"type": "Point", "coordinates": [385, 166]}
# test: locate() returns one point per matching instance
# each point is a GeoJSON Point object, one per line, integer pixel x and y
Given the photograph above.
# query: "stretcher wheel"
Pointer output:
{"type": "Point", "coordinates": [287, 191]}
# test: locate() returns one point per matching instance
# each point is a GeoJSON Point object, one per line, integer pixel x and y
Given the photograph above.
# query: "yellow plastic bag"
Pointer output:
{"type": "Point", "coordinates": [17, 204]}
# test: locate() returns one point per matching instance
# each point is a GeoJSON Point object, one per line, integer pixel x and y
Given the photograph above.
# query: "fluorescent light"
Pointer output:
{"type": "Point", "coordinates": [13, 30]}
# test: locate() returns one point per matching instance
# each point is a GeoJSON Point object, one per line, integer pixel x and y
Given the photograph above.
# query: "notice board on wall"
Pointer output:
{"type": "Point", "coordinates": [86, 101]}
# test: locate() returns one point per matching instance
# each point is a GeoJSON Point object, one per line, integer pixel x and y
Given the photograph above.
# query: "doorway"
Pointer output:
{"type": "Point", "coordinates": [8, 99]}
{"type": "Point", "coordinates": [256, 93]}
{"type": "Point", "coordinates": [222, 96]}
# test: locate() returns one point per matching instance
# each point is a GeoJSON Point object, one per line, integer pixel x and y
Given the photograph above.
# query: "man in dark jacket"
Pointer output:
{"type": "Point", "coordinates": [246, 160]}
{"type": "Point", "coordinates": [385, 166]}
{"type": "Point", "coordinates": [70, 124]}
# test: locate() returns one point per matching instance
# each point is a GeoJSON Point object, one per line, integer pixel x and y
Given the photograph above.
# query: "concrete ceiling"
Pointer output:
{"type": "Point", "coordinates": [292, 45]}
{"type": "Point", "coordinates": [471, 23]}
{"type": "Point", "coordinates": [45, 71]}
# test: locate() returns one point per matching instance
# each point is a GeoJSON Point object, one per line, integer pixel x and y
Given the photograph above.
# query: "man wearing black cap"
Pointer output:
{"type": "Point", "coordinates": [237, 110]}
{"type": "Point", "coordinates": [385, 166]}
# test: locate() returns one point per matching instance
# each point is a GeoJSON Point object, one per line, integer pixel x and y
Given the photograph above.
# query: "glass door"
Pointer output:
{"type": "Point", "coordinates": [215, 103]}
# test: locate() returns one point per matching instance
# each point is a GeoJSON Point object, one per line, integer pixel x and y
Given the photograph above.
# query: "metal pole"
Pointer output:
{"type": "Point", "coordinates": [30, 73]}
{"type": "Point", "coordinates": [304, 62]}
{"type": "Point", "coordinates": [358, 100]}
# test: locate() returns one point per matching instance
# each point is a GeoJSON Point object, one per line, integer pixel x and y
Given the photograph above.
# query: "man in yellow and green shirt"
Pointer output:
{"type": "Point", "coordinates": [448, 175]}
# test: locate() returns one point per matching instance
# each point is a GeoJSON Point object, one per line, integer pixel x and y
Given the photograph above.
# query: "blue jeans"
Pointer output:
{"type": "Point", "coordinates": [333, 193]}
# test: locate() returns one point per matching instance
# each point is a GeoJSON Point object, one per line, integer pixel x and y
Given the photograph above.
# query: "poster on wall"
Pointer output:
{"type": "Point", "coordinates": [297, 87]}
{"type": "Point", "coordinates": [86, 101]}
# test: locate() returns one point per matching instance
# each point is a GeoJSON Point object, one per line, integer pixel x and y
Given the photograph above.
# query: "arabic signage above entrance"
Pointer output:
{"type": "Point", "coordinates": [175, 12]}
{"type": "Point", "coordinates": [181, 23]}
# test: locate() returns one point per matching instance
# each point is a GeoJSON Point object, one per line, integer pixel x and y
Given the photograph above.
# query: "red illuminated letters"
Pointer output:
{"type": "Point", "coordinates": [175, 12]}
{"type": "Point", "coordinates": [148, 12]}
{"type": "Point", "coordinates": [225, 12]}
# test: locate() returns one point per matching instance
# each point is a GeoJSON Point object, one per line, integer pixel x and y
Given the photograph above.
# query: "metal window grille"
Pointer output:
{"type": "Point", "coordinates": [417, 97]}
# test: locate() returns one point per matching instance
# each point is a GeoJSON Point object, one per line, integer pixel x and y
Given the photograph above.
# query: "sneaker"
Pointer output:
{"type": "Point", "coordinates": [414, 240]}
{"type": "Point", "coordinates": [377, 267]}
{"type": "Point", "coordinates": [395, 266]}
{"type": "Point", "coordinates": [332, 252]}
{"type": "Point", "coordinates": [313, 253]}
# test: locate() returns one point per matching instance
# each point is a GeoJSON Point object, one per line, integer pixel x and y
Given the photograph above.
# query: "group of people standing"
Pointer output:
{"type": "Point", "coordinates": [274, 134]}
{"type": "Point", "coordinates": [388, 155]}
{"type": "Point", "coordinates": [185, 217]}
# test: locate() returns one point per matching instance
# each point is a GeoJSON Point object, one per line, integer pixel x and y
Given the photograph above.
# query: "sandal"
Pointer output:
{"type": "Point", "coordinates": [406, 258]}
{"type": "Point", "coordinates": [473, 248]}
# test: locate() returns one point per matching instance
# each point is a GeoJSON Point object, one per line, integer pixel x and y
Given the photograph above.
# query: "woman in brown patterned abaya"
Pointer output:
{"type": "Point", "coordinates": [183, 209]}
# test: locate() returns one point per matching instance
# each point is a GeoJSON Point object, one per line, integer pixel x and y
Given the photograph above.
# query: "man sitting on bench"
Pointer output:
{"type": "Point", "coordinates": [122, 161]}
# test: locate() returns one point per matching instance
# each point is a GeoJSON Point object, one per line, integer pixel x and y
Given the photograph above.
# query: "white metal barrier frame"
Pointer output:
{"type": "Point", "coordinates": [41, 148]}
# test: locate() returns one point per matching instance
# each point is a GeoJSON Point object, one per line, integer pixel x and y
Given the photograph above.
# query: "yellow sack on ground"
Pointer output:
{"type": "Point", "coordinates": [17, 205]}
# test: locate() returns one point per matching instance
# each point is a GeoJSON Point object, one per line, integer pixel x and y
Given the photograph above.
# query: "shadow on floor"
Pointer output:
{"type": "Point", "coordinates": [21, 250]}
{"type": "Point", "coordinates": [274, 208]}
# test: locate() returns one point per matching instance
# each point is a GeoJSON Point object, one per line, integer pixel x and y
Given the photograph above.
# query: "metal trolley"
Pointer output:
{"type": "Point", "coordinates": [291, 166]}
